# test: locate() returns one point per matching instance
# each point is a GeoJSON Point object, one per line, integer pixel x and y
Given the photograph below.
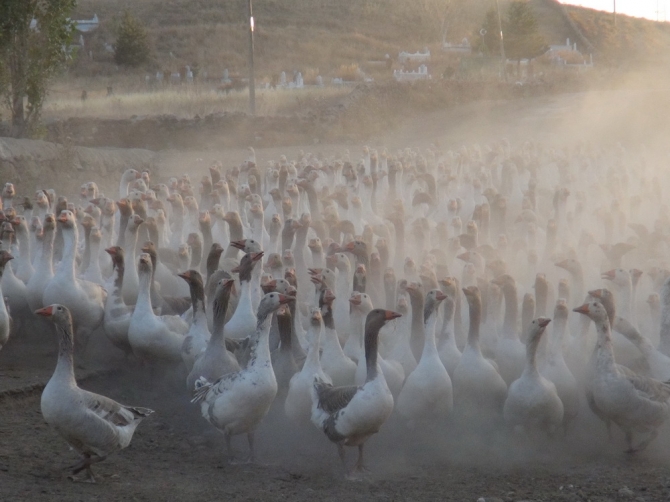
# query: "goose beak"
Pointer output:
{"type": "Point", "coordinates": [596, 293]}
{"type": "Point", "coordinates": [350, 246]}
{"type": "Point", "coordinates": [239, 244]}
{"type": "Point", "coordinates": [440, 296]}
{"type": "Point", "coordinates": [583, 309]}
{"type": "Point", "coordinates": [328, 296]}
{"type": "Point", "coordinates": [46, 311]}
{"type": "Point", "coordinates": [543, 322]}
{"type": "Point", "coordinates": [609, 275]}
{"type": "Point", "coordinates": [185, 275]}
{"type": "Point", "coordinates": [257, 256]}
{"type": "Point", "coordinates": [389, 315]}
{"type": "Point", "coordinates": [283, 299]}
{"type": "Point", "coordinates": [111, 251]}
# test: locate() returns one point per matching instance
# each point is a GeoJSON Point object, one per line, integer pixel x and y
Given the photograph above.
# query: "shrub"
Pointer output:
{"type": "Point", "coordinates": [132, 45]}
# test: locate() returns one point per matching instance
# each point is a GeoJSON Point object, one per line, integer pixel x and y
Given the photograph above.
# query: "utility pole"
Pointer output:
{"type": "Point", "coordinates": [503, 59]}
{"type": "Point", "coordinates": [252, 82]}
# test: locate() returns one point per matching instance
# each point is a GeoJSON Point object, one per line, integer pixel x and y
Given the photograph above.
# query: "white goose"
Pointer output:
{"type": "Point", "coordinates": [427, 393]}
{"type": "Point", "coordinates": [237, 402]}
{"type": "Point", "coordinates": [335, 364]}
{"type": "Point", "coordinates": [94, 425]}
{"type": "Point", "coordinates": [5, 323]}
{"type": "Point", "coordinates": [298, 404]}
{"type": "Point", "coordinates": [44, 271]}
{"type": "Point", "coordinates": [117, 314]}
{"type": "Point", "coordinates": [532, 403]}
{"type": "Point", "coordinates": [84, 299]}
{"type": "Point", "coordinates": [243, 321]}
{"type": "Point", "coordinates": [553, 366]}
{"type": "Point", "coordinates": [350, 415]}
{"type": "Point", "coordinates": [154, 337]}
{"type": "Point", "coordinates": [479, 390]}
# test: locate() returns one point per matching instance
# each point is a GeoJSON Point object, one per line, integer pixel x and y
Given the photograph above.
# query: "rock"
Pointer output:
{"type": "Point", "coordinates": [626, 492]}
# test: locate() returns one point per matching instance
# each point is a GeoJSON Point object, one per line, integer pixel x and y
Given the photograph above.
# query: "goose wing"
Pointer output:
{"type": "Point", "coordinates": [333, 399]}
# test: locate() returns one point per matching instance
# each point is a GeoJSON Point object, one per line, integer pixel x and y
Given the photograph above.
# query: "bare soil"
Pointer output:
{"type": "Point", "coordinates": [176, 454]}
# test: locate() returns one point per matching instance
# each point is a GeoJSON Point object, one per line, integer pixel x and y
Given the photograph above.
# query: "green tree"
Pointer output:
{"type": "Point", "coordinates": [132, 42]}
{"type": "Point", "coordinates": [34, 40]}
{"type": "Point", "coordinates": [522, 37]}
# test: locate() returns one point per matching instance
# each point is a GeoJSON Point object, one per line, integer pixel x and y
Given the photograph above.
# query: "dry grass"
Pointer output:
{"type": "Point", "coordinates": [184, 102]}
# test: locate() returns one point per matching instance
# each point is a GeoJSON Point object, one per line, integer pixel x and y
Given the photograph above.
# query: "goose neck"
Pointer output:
{"type": "Point", "coordinates": [65, 365]}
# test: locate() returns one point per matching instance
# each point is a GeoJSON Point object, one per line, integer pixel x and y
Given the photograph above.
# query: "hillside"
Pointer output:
{"type": "Point", "coordinates": [321, 36]}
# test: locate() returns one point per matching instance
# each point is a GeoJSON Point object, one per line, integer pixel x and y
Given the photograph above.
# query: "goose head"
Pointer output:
{"type": "Point", "coordinates": [594, 310]}
{"type": "Point", "coordinates": [271, 302]}
{"type": "Point", "coordinates": [144, 265]}
{"type": "Point", "coordinates": [56, 313]}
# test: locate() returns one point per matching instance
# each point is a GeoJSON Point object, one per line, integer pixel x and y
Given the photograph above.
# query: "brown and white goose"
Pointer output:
{"type": "Point", "coordinates": [94, 425]}
{"type": "Point", "coordinates": [350, 415]}
{"type": "Point", "coordinates": [633, 402]}
{"type": "Point", "coordinates": [216, 360]}
{"type": "Point", "coordinates": [237, 402]}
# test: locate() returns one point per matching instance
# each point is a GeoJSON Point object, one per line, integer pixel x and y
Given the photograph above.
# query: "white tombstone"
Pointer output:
{"type": "Point", "coordinates": [319, 80]}
{"type": "Point", "coordinates": [299, 83]}
{"type": "Point", "coordinates": [282, 79]}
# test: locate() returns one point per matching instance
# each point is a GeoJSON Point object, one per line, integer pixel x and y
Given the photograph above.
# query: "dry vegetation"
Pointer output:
{"type": "Point", "coordinates": [329, 38]}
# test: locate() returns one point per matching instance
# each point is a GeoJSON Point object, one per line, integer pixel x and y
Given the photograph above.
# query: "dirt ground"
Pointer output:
{"type": "Point", "coordinates": [176, 455]}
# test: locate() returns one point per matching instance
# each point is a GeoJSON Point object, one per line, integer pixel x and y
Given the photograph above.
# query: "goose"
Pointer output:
{"type": "Point", "coordinates": [298, 404]}
{"type": "Point", "coordinates": [24, 267]}
{"type": "Point", "coordinates": [554, 368]}
{"type": "Point", "coordinates": [427, 392]}
{"type": "Point", "coordinates": [44, 271]}
{"type": "Point", "coordinates": [197, 338]}
{"type": "Point", "coordinates": [401, 350]}
{"type": "Point", "coordinates": [236, 403]}
{"type": "Point", "coordinates": [350, 415]}
{"type": "Point", "coordinates": [510, 352]}
{"type": "Point", "coordinates": [116, 320]}
{"type": "Point", "coordinates": [284, 361]}
{"type": "Point", "coordinates": [242, 323]}
{"type": "Point", "coordinates": [633, 402]}
{"type": "Point", "coordinates": [335, 364]}
{"type": "Point", "coordinates": [94, 425]}
{"type": "Point", "coordinates": [152, 337]}
{"type": "Point", "coordinates": [216, 361]}
{"type": "Point", "coordinates": [84, 299]}
{"type": "Point", "coordinates": [393, 371]}
{"type": "Point", "coordinates": [5, 320]}
{"type": "Point", "coordinates": [479, 390]}
{"type": "Point", "coordinates": [532, 401]}
{"type": "Point", "coordinates": [447, 349]}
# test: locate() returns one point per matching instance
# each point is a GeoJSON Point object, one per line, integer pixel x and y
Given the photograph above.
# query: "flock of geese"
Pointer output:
{"type": "Point", "coordinates": [421, 282]}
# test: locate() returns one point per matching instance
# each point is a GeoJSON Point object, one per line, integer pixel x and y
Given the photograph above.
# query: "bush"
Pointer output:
{"type": "Point", "coordinates": [132, 44]}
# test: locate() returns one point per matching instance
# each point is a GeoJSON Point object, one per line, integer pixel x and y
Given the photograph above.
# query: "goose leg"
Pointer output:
{"type": "Point", "coordinates": [252, 454]}
{"type": "Point", "coordinates": [229, 448]}
{"type": "Point", "coordinates": [645, 443]}
{"type": "Point", "coordinates": [359, 471]}
{"type": "Point", "coordinates": [629, 442]}
{"type": "Point", "coordinates": [341, 453]}
{"type": "Point", "coordinates": [85, 464]}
